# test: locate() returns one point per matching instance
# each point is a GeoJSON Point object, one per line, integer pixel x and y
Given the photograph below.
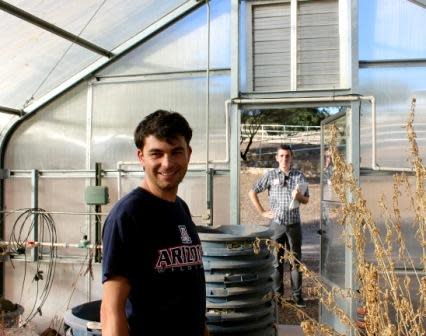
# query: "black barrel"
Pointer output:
{"type": "Point", "coordinates": [239, 282]}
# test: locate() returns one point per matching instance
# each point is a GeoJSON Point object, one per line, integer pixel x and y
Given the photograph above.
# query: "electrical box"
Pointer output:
{"type": "Point", "coordinates": [96, 195]}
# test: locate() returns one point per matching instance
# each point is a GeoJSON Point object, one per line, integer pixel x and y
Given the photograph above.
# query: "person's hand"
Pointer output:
{"type": "Point", "coordinates": [295, 194]}
{"type": "Point", "coordinates": [268, 214]}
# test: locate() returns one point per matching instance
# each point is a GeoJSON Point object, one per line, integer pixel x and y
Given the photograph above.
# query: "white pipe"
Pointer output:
{"type": "Point", "coordinates": [299, 100]}
{"type": "Point", "coordinates": [31, 244]}
{"type": "Point", "coordinates": [57, 212]}
{"type": "Point", "coordinates": [207, 115]}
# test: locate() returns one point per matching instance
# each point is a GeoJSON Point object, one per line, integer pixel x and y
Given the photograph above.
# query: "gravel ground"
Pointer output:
{"type": "Point", "coordinates": [310, 214]}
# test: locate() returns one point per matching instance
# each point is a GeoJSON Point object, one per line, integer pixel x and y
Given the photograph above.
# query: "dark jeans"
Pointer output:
{"type": "Point", "coordinates": [290, 237]}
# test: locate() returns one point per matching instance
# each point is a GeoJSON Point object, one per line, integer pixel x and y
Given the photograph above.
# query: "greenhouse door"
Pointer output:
{"type": "Point", "coordinates": [336, 258]}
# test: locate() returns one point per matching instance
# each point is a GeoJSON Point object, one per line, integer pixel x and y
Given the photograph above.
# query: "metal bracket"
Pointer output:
{"type": "Point", "coordinates": [4, 174]}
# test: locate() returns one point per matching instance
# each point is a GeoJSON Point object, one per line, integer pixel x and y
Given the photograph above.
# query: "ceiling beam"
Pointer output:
{"type": "Point", "coordinates": [21, 14]}
{"type": "Point", "coordinates": [9, 110]}
{"type": "Point", "coordinates": [421, 3]}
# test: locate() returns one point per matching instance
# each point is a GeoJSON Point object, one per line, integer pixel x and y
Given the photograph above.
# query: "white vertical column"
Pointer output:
{"type": "Point", "coordinates": [234, 118]}
{"type": "Point", "coordinates": [89, 114]}
{"type": "Point", "coordinates": [293, 45]}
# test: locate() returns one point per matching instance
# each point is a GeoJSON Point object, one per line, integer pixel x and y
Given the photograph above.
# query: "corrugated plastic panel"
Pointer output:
{"type": "Point", "coordinates": [271, 47]}
{"type": "Point", "coordinates": [318, 45]}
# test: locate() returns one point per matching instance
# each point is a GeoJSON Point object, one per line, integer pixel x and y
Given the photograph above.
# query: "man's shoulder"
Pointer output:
{"type": "Point", "coordinates": [134, 198]}
{"type": "Point", "coordinates": [272, 172]}
{"type": "Point", "coordinates": [297, 172]}
{"type": "Point", "coordinates": [268, 174]}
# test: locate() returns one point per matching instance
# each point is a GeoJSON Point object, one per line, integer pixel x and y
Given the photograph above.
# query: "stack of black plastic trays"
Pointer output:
{"type": "Point", "coordinates": [238, 280]}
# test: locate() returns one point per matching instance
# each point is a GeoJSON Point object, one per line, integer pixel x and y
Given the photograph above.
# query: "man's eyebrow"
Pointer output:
{"type": "Point", "coordinates": [158, 150]}
{"type": "Point", "coordinates": [154, 150]}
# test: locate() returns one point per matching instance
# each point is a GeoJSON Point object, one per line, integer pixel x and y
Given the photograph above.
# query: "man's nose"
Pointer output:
{"type": "Point", "coordinates": [167, 161]}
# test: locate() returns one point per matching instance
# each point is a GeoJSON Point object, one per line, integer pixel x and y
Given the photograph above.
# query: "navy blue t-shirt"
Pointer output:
{"type": "Point", "coordinates": [155, 245]}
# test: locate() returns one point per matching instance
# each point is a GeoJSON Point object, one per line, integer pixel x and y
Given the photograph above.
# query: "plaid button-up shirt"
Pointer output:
{"type": "Point", "coordinates": [279, 188]}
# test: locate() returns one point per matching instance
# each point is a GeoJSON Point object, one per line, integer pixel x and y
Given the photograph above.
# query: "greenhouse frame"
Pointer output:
{"type": "Point", "coordinates": [78, 76]}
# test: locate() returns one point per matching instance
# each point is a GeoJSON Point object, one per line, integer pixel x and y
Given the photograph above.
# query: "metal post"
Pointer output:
{"type": "Point", "coordinates": [98, 210]}
{"type": "Point", "coordinates": [235, 117]}
{"type": "Point", "coordinates": [34, 205]}
{"type": "Point", "coordinates": [210, 180]}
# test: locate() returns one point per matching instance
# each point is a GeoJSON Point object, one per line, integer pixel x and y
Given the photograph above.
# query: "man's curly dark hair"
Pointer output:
{"type": "Point", "coordinates": [165, 125]}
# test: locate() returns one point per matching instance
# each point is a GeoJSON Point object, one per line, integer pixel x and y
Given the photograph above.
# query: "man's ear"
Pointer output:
{"type": "Point", "coordinates": [189, 152]}
{"type": "Point", "coordinates": [141, 157]}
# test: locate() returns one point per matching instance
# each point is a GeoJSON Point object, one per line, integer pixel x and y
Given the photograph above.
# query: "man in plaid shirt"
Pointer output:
{"type": "Point", "coordinates": [284, 185]}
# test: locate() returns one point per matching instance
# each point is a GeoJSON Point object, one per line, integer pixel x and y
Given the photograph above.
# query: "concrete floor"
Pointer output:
{"type": "Point", "coordinates": [289, 330]}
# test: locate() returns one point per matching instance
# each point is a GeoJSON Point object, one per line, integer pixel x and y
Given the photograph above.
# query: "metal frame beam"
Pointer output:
{"type": "Point", "coordinates": [414, 62]}
{"type": "Point", "coordinates": [421, 3]}
{"type": "Point", "coordinates": [8, 110]}
{"type": "Point", "coordinates": [21, 14]}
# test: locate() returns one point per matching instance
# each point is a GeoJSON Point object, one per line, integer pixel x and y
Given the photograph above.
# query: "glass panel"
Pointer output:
{"type": "Point", "coordinates": [332, 244]}
{"type": "Point", "coordinates": [331, 318]}
{"type": "Point", "coordinates": [393, 89]}
{"type": "Point", "coordinates": [391, 29]}
{"type": "Point", "coordinates": [55, 138]}
{"type": "Point", "coordinates": [332, 240]}
{"type": "Point", "coordinates": [113, 134]}
{"type": "Point", "coordinates": [341, 136]}
{"type": "Point", "coordinates": [28, 55]}
{"type": "Point", "coordinates": [164, 52]}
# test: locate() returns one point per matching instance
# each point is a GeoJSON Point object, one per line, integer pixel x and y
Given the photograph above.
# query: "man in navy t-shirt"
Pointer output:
{"type": "Point", "coordinates": [153, 277]}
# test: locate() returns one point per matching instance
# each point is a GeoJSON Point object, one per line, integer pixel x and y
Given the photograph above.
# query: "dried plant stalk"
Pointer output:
{"type": "Point", "coordinates": [386, 299]}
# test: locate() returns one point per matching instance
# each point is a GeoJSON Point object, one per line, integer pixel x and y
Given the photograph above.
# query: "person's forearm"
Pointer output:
{"type": "Point", "coordinates": [114, 323]}
{"type": "Point", "coordinates": [255, 201]}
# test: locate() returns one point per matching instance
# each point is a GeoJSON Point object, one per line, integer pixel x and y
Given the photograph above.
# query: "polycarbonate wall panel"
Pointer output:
{"type": "Point", "coordinates": [65, 283]}
{"type": "Point", "coordinates": [119, 107]}
{"type": "Point", "coordinates": [29, 57]}
{"type": "Point", "coordinates": [54, 195]}
{"type": "Point", "coordinates": [109, 23]}
{"type": "Point", "coordinates": [58, 195]}
{"type": "Point", "coordinates": [393, 89]}
{"type": "Point", "coordinates": [373, 188]}
{"type": "Point", "coordinates": [54, 138]}
{"type": "Point", "coordinates": [182, 46]}
{"type": "Point", "coordinates": [192, 190]}
{"type": "Point", "coordinates": [391, 29]}
{"type": "Point", "coordinates": [18, 191]}
{"type": "Point", "coordinates": [221, 200]}
{"type": "Point", "coordinates": [66, 195]}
